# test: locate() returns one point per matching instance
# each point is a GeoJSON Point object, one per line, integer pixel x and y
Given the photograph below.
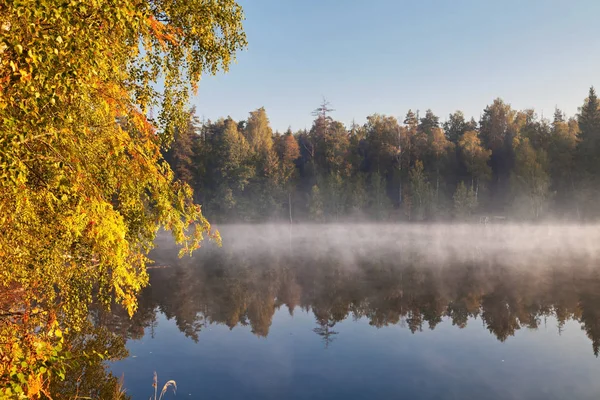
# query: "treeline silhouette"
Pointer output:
{"type": "Point", "coordinates": [241, 288]}
{"type": "Point", "coordinates": [509, 163]}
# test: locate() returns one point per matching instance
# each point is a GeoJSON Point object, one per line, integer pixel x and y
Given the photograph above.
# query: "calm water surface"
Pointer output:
{"type": "Point", "coordinates": [360, 312]}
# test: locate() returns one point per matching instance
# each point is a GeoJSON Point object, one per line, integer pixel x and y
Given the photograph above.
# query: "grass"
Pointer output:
{"type": "Point", "coordinates": [170, 384]}
{"type": "Point", "coordinates": [120, 389]}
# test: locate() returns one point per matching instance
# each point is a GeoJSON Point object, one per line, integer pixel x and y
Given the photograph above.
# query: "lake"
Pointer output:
{"type": "Point", "coordinates": [370, 311]}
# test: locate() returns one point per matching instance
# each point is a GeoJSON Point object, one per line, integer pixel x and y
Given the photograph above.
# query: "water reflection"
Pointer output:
{"type": "Point", "coordinates": [87, 375]}
{"type": "Point", "coordinates": [239, 286]}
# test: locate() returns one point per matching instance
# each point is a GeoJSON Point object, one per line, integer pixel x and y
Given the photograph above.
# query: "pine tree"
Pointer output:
{"type": "Point", "coordinates": [429, 122]}
{"type": "Point", "coordinates": [456, 126]}
{"type": "Point", "coordinates": [589, 127]}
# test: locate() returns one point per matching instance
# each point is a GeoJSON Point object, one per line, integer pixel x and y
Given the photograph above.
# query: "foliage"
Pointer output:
{"type": "Point", "coordinates": [587, 155]}
{"type": "Point", "coordinates": [475, 157]}
{"type": "Point", "coordinates": [465, 201]}
{"type": "Point", "coordinates": [86, 375]}
{"type": "Point", "coordinates": [316, 204]}
{"type": "Point", "coordinates": [29, 361]}
{"type": "Point", "coordinates": [530, 180]}
{"type": "Point", "coordinates": [380, 203]}
{"type": "Point", "coordinates": [83, 186]}
{"type": "Point", "coordinates": [369, 171]}
{"type": "Point", "coordinates": [420, 190]}
{"type": "Point", "coordinates": [589, 126]}
{"type": "Point", "coordinates": [258, 132]}
{"type": "Point", "coordinates": [441, 151]}
{"type": "Point", "coordinates": [456, 126]}
{"type": "Point", "coordinates": [288, 152]}
{"type": "Point", "coordinates": [180, 154]}
{"type": "Point", "coordinates": [561, 152]}
{"type": "Point", "coordinates": [82, 177]}
{"type": "Point", "coordinates": [335, 195]}
{"type": "Point", "coordinates": [382, 136]}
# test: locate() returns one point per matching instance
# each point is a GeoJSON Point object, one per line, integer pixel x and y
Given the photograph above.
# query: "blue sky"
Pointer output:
{"type": "Point", "coordinates": [386, 56]}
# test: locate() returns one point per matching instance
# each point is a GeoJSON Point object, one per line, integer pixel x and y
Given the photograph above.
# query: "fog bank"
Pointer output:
{"type": "Point", "coordinates": [514, 244]}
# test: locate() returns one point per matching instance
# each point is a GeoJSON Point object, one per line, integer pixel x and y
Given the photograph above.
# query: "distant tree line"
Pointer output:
{"type": "Point", "coordinates": [509, 163]}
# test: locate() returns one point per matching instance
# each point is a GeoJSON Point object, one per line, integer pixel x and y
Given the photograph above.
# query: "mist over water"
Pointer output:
{"type": "Point", "coordinates": [354, 311]}
{"type": "Point", "coordinates": [504, 244]}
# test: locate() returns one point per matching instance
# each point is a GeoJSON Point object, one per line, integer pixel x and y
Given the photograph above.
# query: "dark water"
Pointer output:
{"type": "Point", "coordinates": [361, 312]}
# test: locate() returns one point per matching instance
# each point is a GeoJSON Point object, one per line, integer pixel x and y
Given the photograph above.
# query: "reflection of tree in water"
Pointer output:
{"type": "Point", "coordinates": [499, 314]}
{"type": "Point", "coordinates": [466, 303]}
{"type": "Point", "coordinates": [87, 377]}
{"type": "Point", "coordinates": [236, 289]}
{"type": "Point", "coordinates": [589, 302]}
{"type": "Point", "coordinates": [325, 330]}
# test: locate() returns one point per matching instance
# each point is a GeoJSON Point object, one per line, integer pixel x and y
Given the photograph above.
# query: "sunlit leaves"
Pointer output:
{"type": "Point", "coordinates": [83, 187]}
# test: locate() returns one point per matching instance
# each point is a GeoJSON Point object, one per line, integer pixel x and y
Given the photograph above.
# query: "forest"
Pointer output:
{"type": "Point", "coordinates": [100, 151]}
{"type": "Point", "coordinates": [509, 164]}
